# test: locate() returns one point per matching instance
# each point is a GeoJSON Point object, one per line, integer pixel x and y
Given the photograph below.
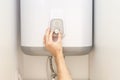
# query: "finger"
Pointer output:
{"type": "Point", "coordinates": [47, 34]}
{"type": "Point", "coordinates": [44, 40]}
{"type": "Point", "coordinates": [50, 36]}
{"type": "Point", "coordinates": [59, 36]}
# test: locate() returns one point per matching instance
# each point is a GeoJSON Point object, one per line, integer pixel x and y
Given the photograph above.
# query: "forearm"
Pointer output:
{"type": "Point", "coordinates": [63, 73]}
{"type": "Point", "coordinates": [55, 47]}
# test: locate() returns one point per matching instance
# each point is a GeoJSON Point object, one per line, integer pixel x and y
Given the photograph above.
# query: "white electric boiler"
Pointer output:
{"type": "Point", "coordinates": [72, 17]}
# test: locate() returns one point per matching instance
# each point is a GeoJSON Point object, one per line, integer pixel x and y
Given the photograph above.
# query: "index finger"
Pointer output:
{"type": "Point", "coordinates": [59, 36]}
{"type": "Point", "coordinates": [47, 34]}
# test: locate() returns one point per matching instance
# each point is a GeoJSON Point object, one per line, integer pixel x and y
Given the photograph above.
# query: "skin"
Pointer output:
{"type": "Point", "coordinates": [55, 48]}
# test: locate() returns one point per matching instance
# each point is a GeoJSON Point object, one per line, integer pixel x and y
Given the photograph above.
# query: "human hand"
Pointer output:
{"type": "Point", "coordinates": [55, 47]}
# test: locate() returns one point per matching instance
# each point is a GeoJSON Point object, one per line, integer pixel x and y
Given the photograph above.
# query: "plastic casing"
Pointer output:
{"type": "Point", "coordinates": [77, 19]}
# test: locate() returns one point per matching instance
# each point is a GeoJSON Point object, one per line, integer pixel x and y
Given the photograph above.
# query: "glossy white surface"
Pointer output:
{"type": "Point", "coordinates": [76, 15]}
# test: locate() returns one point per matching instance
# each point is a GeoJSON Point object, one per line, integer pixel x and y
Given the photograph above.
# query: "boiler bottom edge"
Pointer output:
{"type": "Point", "coordinates": [68, 51]}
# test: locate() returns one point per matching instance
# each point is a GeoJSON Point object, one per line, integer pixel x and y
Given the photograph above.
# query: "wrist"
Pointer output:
{"type": "Point", "coordinates": [59, 54]}
{"type": "Point", "coordinates": [59, 58]}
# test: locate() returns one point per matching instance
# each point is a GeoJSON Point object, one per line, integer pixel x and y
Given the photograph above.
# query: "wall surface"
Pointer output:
{"type": "Point", "coordinates": [105, 58]}
{"type": "Point", "coordinates": [8, 40]}
{"type": "Point", "coordinates": [34, 68]}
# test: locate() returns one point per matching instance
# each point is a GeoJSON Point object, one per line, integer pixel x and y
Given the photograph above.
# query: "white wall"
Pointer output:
{"type": "Point", "coordinates": [105, 58]}
{"type": "Point", "coordinates": [8, 40]}
{"type": "Point", "coordinates": [34, 67]}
